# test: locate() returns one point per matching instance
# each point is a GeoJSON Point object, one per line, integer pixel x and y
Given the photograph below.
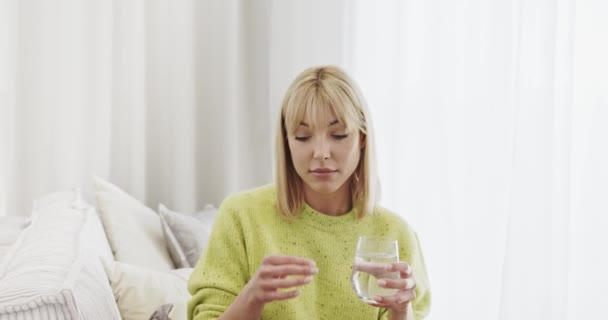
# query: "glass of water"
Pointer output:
{"type": "Point", "coordinates": [372, 263]}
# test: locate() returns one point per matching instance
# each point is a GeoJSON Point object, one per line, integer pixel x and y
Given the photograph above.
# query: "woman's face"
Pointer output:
{"type": "Point", "coordinates": [325, 155]}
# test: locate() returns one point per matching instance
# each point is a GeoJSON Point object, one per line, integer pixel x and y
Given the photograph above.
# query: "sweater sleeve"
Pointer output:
{"type": "Point", "coordinates": [422, 303]}
{"type": "Point", "coordinates": [222, 270]}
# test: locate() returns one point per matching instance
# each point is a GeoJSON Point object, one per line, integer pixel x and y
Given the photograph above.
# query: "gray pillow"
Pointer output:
{"type": "Point", "coordinates": [187, 233]}
{"type": "Point", "coordinates": [175, 249]}
{"type": "Point", "coordinates": [162, 313]}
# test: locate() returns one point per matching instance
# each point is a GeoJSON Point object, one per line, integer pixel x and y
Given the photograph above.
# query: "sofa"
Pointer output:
{"type": "Point", "coordinates": [111, 258]}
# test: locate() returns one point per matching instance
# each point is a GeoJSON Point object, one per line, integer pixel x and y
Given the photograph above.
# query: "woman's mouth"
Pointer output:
{"type": "Point", "coordinates": [323, 172]}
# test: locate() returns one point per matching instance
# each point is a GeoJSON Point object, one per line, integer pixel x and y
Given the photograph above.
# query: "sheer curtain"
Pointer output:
{"type": "Point", "coordinates": [494, 118]}
{"type": "Point", "coordinates": [167, 99]}
{"type": "Point", "coordinates": [490, 118]}
{"type": "Point", "coordinates": [174, 101]}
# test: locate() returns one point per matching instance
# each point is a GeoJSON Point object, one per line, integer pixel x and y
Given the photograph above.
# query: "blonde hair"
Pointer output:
{"type": "Point", "coordinates": [324, 87]}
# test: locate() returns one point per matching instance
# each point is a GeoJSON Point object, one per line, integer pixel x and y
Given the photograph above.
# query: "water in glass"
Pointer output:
{"type": "Point", "coordinates": [372, 259]}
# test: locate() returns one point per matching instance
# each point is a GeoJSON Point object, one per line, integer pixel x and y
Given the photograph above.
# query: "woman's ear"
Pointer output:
{"type": "Point", "coordinates": [362, 139]}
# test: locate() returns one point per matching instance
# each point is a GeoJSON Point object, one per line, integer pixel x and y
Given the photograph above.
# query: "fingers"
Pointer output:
{"type": "Point", "coordinates": [397, 299]}
{"type": "Point", "coordinates": [405, 283]}
{"type": "Point", "coordinates": [278, 283]}
{"type": "Point", "coordinates": [269, 296]}
{"type": "Point", "coordinates": [276, 259]}
{"type": "Point", "coordinates": [372, 267]}
{"type": "Point", "coordinates": [406, 286]}
{"type": "Point", "coordinates": [278, 271]}
{"type": "Point", "coordinates": [284, 295]}
{"type": "Point", "coordinates": [403, 268]}
{"type": "Point", "coordinates": [401, 284]}
{"type": "Point", "coordinates": [378, 270]}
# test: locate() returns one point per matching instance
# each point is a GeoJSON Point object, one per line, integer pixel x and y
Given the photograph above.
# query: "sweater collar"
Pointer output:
{"type": "Point", "coordinates": [322, 220]}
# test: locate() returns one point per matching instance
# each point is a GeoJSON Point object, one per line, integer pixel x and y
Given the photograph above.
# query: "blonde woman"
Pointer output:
{"type": "Point", "coordinates": [285, 251]}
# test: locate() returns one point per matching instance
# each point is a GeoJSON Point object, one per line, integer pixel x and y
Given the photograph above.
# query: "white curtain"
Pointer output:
{"type": "Point", "coordinates": [490, 117]}
{"type": "Point", "coordinates": [167, 99]}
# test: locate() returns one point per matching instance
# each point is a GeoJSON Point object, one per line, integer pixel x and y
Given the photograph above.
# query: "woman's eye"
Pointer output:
{"type": "Point", "coordinates": [303, 138]}
{"type": "Point", "coordinates": [340, 136]}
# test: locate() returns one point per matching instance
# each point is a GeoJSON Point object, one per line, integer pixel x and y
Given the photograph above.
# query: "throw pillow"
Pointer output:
{"type": "Point", "coordinates": [175, 249]}
{"type": "Point", "coordinates": [162, 313]}
{"type": "Point", "coordinates": [191, 231]}
{"type": "Point", "coordinates": [140, 291]}
{"type": "Point", "coordinates": [134, 230]}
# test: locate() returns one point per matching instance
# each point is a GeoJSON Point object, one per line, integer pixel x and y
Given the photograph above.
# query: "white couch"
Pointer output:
{"type": "Point", "coordinates": [116, 259]}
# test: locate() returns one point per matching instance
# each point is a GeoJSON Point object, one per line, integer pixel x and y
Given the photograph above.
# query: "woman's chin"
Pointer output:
{"type": "Point", "coordinates": [325, 187]}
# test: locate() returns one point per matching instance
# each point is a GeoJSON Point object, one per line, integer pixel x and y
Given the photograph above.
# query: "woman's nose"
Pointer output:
{"type": "Point", "coordinates": [321, 150]}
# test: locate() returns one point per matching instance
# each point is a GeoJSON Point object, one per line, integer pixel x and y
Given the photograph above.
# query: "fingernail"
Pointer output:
{"type": "Point", "coordinates": [382, 283]}
{"type": "Point", "coordinates": [410, 284]}
{"type": "Point", "coordinates": [378, 298]}
{"type": "Point", "coordinates": [315, 270]}
{"type": "Point", "coordinates": [409, 269]}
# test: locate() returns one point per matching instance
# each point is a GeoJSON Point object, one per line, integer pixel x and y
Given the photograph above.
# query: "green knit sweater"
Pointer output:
{"type": "Point", "coordinates": [248, 227]}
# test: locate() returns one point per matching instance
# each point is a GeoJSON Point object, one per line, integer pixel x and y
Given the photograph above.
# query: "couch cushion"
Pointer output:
{"type": "Point", "coordinates": [133, 230]}
{"type": "Point", "coordinates": [10, 228]}
{"type": "Point", "coordinates": [141, 291]}
{"type": "Point", "coordinates": [191, 231]}
{"type": "Point", "coordinates": [53, 270]}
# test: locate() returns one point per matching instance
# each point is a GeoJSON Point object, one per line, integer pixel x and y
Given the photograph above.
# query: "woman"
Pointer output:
{"type": "Point", "coordinates": [285, 251]}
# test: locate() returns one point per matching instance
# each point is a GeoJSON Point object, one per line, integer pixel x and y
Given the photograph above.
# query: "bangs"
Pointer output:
{"type": "Point", "coordinates": [313, 98]}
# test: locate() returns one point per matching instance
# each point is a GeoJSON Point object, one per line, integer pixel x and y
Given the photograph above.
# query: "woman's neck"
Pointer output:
{"type": "Point", "coordinates": [332, 204]}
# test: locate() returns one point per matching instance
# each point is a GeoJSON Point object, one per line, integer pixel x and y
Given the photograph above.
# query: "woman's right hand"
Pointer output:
{"type": "Point", "coordinates": [276, 275]}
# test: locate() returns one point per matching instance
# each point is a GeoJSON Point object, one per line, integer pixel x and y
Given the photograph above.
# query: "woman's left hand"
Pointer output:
{"type": "Point", "coordinates": [405, 284]}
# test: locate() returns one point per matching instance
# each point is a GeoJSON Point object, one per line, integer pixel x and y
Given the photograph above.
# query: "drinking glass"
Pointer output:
{"type": "Point", "coordinates": [372, 262]}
